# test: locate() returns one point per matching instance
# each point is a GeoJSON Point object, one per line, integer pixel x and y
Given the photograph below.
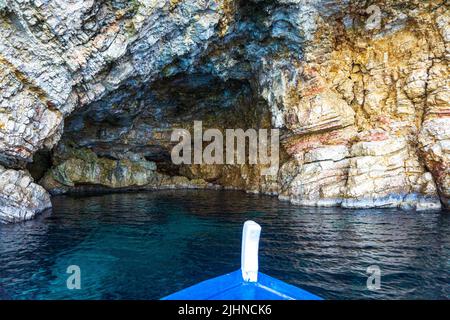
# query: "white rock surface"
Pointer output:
{"type": "Point", "coordinates": [21, 198]}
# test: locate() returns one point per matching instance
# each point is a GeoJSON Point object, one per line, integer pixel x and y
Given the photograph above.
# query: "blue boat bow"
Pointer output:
{"type": "Point", "coordinates": [246, 283]}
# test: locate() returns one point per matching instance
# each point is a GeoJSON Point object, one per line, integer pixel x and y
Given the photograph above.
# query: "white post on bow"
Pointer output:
{"type": "Point", "coordinates": [249, 253]}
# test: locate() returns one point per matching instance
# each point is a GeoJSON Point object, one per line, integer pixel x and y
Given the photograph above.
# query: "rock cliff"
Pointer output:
{"type": "Point", "coordinates": [91, 90]}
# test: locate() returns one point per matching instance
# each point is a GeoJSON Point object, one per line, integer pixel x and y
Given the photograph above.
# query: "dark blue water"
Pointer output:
{"type": "Point", "coordinates": [148, 245]}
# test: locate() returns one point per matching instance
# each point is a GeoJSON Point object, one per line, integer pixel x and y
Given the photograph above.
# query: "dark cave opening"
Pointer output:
{"type": "Point", "coordinates": [135, 123]}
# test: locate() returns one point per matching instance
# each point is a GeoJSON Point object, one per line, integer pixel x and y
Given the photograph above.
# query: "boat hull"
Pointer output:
{"type": "Point", "coordinates": [231, 286]}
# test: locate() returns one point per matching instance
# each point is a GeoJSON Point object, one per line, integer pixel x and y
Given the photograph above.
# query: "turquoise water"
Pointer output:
{"type": "Point", "coordinates": [148, 245]}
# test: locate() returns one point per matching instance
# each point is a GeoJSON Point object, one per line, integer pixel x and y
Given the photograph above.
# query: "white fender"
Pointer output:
{"type": "Point", "coordinates": [249, 253]}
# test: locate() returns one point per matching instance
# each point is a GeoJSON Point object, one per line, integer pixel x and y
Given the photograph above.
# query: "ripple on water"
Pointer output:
{"type": "Point", "coordinates": [147, 245]}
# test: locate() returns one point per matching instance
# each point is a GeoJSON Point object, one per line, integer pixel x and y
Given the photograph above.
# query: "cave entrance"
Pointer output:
{"type": "Point", "coordinates": [131, 127]}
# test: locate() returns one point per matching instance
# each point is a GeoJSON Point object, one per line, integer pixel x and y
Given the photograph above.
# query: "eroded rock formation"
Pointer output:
{"type": "Point", "coordinates": [362, 103]}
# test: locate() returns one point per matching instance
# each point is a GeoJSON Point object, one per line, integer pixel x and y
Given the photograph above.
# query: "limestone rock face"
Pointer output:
{"type": "Point", "coordinates": [84, 168]}
{"type": "Point", "coordinates": [386, 173]}
{"type": "Point", "coordinates": [361, 96]}
{"type": "Point", "coordinates": [396, 81]}
{"type": "Point", "coordinates": [21, 198]}
{"type": "Point", "coordinates": [434, 142]}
